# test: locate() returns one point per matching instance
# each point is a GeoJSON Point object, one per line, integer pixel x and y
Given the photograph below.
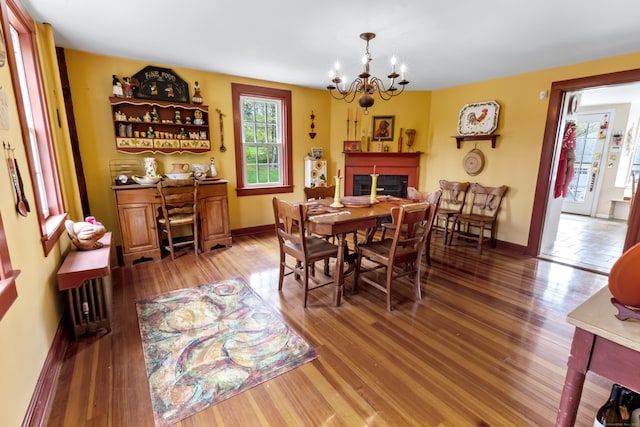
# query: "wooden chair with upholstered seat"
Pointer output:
{"type": "Point", "coordinates": [485, 204]}
{"type": "Point", "coordinates": [399, 256]}
{"type": "Point", "coordinates": [296, 243]}
{"type": "Point", "coordinates": [452, 202]}
{"type": "Point", "coordinates": [178, 209]}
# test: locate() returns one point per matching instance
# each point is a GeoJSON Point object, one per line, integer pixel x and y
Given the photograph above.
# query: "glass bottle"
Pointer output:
{"type": "Point", "coordinates": [212, 168]}
{"type": "Point", "coordinates": [609, 413]}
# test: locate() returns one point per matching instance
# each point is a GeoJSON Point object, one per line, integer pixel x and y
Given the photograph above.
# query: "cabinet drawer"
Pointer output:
{"type": "Point", "coordinates": [138, 195]}
{"type": "Point", "coordinates": [210, 190]}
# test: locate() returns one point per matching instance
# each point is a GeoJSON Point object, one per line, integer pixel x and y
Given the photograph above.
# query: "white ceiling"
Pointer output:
{"type": "Point", "coordinates": [443, 43]}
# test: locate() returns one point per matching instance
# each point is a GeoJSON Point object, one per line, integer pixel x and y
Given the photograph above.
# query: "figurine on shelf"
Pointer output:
{"type": "Point", "coordinates": [178, 120]}
{"type": "Point", "coordinates": [128, 87]}
{"type": "Point", "coordinates": [147, 117]}
{"type": "Point", "coordinates": [198, 118]}
{"type": "Point", "coordinates": [183, 133]}
{"type": "Point", "coordinates": [154, 115]}
{"type": "Point", "coordinates": [117, 86]}
{"type": "Point", "coordinates": [187, 120]}
{"type": "Point", "coordinates": [85, 234]}
{"type": "Point", "coordinates": [150, 132]}
{"type": "Point", "coordinates": [169, 90]}
{"type": "Point", "coordinates": [197, 97]}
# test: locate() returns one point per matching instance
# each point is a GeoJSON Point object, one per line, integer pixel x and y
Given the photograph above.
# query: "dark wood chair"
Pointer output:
{"type": "Point", "coordinates": [314, 193]}
{"type": "Point", "coordinates": [399, 256]}
{"type": "Point", "coordinates": [485, 204]}
{"type": "Point", "coordinates": [452, 202]}
{"type": "Point", "coordinates": [179, 208]}
{"type": "Point", "coordinates": [295, 243]}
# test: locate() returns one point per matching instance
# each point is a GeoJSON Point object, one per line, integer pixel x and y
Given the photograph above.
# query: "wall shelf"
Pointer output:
{"type": "Point", "coordinates": [460, 138]}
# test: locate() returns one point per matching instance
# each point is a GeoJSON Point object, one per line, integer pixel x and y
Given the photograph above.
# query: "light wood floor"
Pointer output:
{"type": "Point", "coordinates": [487, 345]}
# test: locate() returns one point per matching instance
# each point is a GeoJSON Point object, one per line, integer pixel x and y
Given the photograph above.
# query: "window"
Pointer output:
{"type": "Point", "coordinates": [262, 125]}
{"type": "Point", "coordinates": [36, 133]}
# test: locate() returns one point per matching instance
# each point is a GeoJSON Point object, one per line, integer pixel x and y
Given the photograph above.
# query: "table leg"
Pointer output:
{"type": "Point", "coordinates": [338, 275]}
{"type": "Point", "coordinates": [570, 399]}
{"type": "Point", "coordinates": [577, 367]}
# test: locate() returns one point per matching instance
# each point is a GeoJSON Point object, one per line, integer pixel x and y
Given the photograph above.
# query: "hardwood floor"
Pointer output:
{"type": "Point", "coordinates": [487, 345]}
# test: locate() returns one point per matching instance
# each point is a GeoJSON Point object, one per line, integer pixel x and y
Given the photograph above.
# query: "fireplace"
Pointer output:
{"type": "Point", "coordinates": [388, 185]}
{"type": "Point", "coordinates": [397, 170]}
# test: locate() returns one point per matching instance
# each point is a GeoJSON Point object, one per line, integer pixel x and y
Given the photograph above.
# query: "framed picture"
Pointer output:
{"type": "Point", "coordinates": [383, 128]}
{"type": "Point", "coordinates": [350, 146]}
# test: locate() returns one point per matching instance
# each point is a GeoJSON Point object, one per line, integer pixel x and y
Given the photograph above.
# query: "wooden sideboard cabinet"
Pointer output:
{"type": "Point", "coordinates": [138, 205]}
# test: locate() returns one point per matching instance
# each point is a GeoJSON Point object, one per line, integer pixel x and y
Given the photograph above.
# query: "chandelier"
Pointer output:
{"type": "Point", "coordinates": [365, 84]}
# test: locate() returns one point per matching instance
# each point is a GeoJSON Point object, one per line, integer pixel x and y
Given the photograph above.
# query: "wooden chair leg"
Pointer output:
{"type": "Point", "coordinates": [281, 275]}
{"type": "Point", "coordinates": [389, 279]}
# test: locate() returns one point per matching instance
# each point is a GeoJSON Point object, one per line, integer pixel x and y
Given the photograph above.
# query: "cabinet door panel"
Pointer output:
{"type": "Point", "coordinates": [138, 228]}
{"type": "Point", "coordinates": [215, 217]}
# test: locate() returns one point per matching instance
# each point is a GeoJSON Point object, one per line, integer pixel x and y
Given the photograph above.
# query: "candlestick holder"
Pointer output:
{"type": "Point", "coordinates": [336, 197]}
{"type": "Point", "coordinates": [374, 185]}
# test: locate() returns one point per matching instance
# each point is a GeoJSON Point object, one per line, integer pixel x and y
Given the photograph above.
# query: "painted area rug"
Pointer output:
{"type": "Point", "coordinates": [205, 344]}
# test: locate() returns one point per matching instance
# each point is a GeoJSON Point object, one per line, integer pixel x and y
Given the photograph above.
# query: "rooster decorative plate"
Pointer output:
{"type": "Point", "coordinates": [480, 118]}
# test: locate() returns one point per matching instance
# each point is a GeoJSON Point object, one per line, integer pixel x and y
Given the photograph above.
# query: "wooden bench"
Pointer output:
{"type": "Point", "coordinates": [86, 277]}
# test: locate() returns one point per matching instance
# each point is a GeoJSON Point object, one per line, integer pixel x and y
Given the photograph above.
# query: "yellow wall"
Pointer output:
{"type": "Point", "coordinates": [28, 328]}
{"type": "Point", "coordinates": [90, 77]}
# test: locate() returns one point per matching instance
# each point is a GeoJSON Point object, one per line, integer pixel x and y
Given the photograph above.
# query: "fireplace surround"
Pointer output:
{"type": "Point", "coordinates": [405, 165]}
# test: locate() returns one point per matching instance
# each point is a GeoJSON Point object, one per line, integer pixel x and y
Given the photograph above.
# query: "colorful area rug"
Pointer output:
{"type": "Point", "coordinates": [205, 344]}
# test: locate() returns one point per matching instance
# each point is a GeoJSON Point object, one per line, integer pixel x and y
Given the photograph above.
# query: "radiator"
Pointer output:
{"type": "Point", "coordinates": [90, 306]}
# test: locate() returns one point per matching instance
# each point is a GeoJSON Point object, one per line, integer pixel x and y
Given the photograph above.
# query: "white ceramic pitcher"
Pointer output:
{"type": "Point", "coordinates": [150, 166]}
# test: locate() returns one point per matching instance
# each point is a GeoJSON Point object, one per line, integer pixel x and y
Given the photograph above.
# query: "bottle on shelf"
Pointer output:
{"type": "Point", "coordinates": [212, 168]}
{"type": "Point", "coordinates": [609, 413]}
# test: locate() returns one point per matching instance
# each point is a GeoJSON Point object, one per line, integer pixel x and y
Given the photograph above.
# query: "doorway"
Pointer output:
{"type": "Point", "coordinates": [544, 205]}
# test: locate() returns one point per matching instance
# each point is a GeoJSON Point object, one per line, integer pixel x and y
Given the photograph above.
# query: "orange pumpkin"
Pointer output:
{"type": "Point", "coordinates": [624, 277]}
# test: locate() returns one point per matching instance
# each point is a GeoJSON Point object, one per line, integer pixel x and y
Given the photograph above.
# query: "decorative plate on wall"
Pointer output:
{"type": "Point", "coordinates": [473, 162]}
{"type": "Point", "coordinates": [480, 118]}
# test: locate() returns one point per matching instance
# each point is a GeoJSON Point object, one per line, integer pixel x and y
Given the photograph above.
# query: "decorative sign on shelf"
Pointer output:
{"type": "Point", "coordinates": [480, 118]}
{"type": "Point", "coordinates": [161, 84]}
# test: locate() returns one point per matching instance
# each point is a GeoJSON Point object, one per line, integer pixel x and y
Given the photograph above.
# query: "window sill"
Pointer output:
{"type": "Point", "coordinates": [257, 191]}
{"type": "Point", "coordinates": [8, 292]}
{"type": "Point", "coordinates": [54, 226]}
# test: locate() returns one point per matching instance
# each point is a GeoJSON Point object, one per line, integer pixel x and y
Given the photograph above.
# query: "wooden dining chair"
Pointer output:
{"type": "Point", "coordinates": [433, 198]}
{"type": "Point", "coordinates": [452, 202]}
{"type": "Point", "coordinates": [297, 245]}
{"type": "Point", "coordinates": [315, 193]}
{"type": "Point", "coordinates": [485, 205]}
{"type": "Point", "coordinates": [179, 208]}
{"type": "Point", "coordinates": [399, 256]}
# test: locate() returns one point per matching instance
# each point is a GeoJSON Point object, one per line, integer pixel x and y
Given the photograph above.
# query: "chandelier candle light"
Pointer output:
{"type": "Point", "coordinates": [365, 84]}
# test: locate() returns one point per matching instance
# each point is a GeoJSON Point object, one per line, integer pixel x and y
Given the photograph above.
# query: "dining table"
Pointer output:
{"type": "Point", "coordinates": [357, 214]}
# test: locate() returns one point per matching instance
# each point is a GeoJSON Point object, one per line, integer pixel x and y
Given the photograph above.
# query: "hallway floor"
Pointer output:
{"type": "Point", "coordinates": [589, 243]}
